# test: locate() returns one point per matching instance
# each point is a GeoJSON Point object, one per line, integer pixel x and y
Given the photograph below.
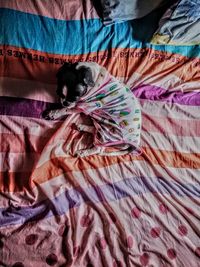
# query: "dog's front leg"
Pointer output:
{"type": "Point", "coordinates": [57, 113]}
{"type": "Point", "coordinates": [54, 114]}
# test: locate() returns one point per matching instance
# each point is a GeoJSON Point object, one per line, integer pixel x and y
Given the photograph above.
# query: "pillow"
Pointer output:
{"type": "Point", "coordinates": [180, 25]}
{"type": "Point", "coordinates": [123, 10]}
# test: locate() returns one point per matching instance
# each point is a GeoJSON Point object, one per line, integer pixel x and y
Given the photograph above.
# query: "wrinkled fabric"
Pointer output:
{"type": "Point", "coordinates": [180, 24]}
{"type": "Point", "coordinates": [123, 10]}
{"type": "Point", "coordinates": [60, 210]}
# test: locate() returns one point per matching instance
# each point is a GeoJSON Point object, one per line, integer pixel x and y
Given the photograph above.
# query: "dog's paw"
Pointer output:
{"type": "Point", "coordinates": [48, 115]}
{"type": "Point", "coordinates": [81, 153]}
{"type": "Point", "coordinates": [85, 128]}
{"type": "Point", "coordinates": [76, 127]}
{"type": "Point", "coordinates": [80, 128]}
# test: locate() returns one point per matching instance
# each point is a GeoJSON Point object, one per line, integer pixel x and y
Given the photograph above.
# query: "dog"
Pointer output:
{"type": "Point", "coordinates": [115, 112]}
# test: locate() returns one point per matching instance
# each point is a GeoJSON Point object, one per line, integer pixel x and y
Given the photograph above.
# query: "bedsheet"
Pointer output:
{"type": "Point", "coordinates": [57, 210]}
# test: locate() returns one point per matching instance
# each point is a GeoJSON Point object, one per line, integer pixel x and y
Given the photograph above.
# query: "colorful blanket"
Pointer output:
{"type": "Point", "coordinates": [57, 210]}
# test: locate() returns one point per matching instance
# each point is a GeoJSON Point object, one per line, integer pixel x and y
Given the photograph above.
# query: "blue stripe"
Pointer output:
{"type": "Point", "coordinates": [72, 37]}
{"type": "Point", "coordinates": [125, 188]}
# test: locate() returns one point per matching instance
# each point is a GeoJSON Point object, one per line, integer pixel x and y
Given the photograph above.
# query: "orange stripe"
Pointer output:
{"type": "Point", "coordinates": [60, 165]}
{"type": "Point", "coordinates": [120, 62]}
{"type": "Point", "coordinates": [172, 159]}
{"type": "Point", "coordinates": [14, 182]}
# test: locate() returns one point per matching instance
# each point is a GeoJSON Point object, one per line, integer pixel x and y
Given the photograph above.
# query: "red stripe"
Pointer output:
{"type": "Point", "coordinates": [43, 66]}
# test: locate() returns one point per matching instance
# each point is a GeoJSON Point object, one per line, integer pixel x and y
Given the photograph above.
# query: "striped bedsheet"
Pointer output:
{"type": "Point", "coordinates": [56, 210]}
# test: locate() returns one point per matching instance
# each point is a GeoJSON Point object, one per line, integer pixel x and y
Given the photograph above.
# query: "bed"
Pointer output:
{"type": "Point", "coordinates": [59, 210]}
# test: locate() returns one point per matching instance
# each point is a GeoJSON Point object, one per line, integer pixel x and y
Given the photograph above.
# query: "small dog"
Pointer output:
{"type": "Point", "coordinates": [89, 88]}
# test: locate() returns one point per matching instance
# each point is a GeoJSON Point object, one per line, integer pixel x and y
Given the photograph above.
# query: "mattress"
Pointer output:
{"type": "Point", "coordinates": [59, 210]}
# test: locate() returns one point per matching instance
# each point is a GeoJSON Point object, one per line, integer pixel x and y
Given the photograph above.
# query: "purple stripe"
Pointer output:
{"type": "Point", "coordinates": [22, 107]}
{"type": "Point", "coordinates": [14, 106]}
{"type": "Point", "coordinates": [152, 92]}
{"type": "Point", "coordinates": [105, 193]}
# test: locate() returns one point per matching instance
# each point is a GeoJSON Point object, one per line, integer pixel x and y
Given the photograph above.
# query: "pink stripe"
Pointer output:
{"type": "Point", "coordinates": [59, 9]}
{"type": "Point", "coordinates": [22, 143]}
{"type": "Point", "coordinates": [159, 124]}
{"type": "Point", "coordinates": [170, 125]}
{"type": "Point", "coordinates": [28, 89]}
{"type": "Point", "coordinates": [31, 126]}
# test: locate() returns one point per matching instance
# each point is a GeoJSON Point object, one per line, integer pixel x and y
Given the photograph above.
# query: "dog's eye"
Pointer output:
{"type": "Point", "coordinates": [65, 103]}
{"type": "Point", "coordinates": [60, 94]}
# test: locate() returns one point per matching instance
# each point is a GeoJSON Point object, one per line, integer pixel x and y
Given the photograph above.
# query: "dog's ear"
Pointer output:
{"type": "Point", "coordinates": [69, 65]}
{"type": "Point", "coordinates": [65, 67]}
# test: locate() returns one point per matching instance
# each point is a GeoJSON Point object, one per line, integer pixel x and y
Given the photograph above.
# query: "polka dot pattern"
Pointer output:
{"type": "Point", "coordinates": [136, 213]}
{"type": "Point", "coordinates": [171, 253]}
{"type": "Point", "coordinates": [191, 211]}
{"type": "Point", "coordinates": [18, 264]}
{"type": "Point", "coordinates": [51, 259]}
{"type": "Point", "coordinates": [163, 208]}
{"type": "Point", "coordinates": [102, 243]}
{"type": "Point", "coordinates": [129, 239]}
{"type": "Point", "coordinates": [155, 232]}
{"type": "Point", "coordinates": [86, 221]}
{"type": "Point", "coordinates": [31, 239]}
{"type": "Point", "coordinates": [144, 259]}
{"type": "Point", "coordinates": [129, 242]}
{"type": "Point", "coordinates": [182, 230]}
{"type": "Point", "coordinates": [197, 252]}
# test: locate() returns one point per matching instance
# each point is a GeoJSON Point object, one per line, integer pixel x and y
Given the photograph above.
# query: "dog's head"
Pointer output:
{"type": "Point", "coordinates": [73, 82]}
